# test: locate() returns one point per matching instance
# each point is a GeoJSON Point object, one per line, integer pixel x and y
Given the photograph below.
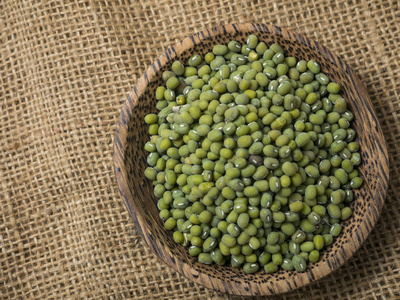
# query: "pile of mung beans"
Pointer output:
{"type": "Point", "coordinates": [252, 157]}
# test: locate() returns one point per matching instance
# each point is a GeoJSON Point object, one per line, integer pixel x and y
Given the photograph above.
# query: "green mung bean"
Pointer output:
{"type": "Point", "coordinates": [252, 157]}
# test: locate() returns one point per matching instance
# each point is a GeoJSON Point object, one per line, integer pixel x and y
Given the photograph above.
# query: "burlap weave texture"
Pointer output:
{"type": "Point", "coordinates": [66, 68]}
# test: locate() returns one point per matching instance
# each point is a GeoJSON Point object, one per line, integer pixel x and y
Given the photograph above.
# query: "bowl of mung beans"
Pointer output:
{"type": "Point", "coordinates": [251, 160]}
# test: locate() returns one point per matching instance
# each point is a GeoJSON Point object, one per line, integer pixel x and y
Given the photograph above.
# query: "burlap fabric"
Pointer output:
{"type": "Point", "coordinates": [66, 68]}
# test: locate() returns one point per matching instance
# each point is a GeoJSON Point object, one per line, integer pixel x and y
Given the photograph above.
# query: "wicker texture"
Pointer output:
{"type": "Point", "coordinates": [65, 69]}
